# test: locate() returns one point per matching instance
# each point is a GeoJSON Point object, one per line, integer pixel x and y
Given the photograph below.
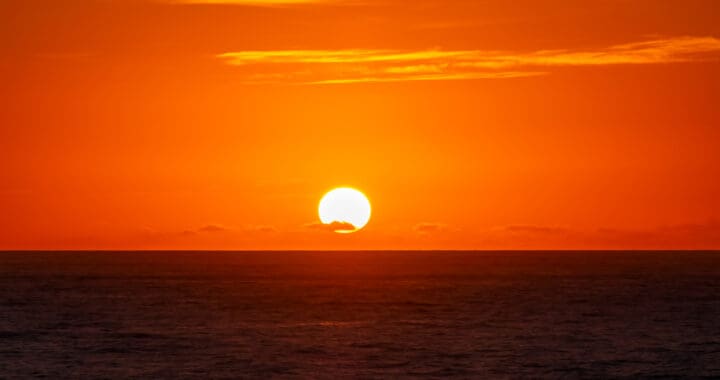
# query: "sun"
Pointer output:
{"type": "Point", "coordinates": [344, 209]}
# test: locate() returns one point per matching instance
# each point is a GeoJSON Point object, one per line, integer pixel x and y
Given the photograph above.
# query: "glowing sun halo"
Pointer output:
{"type": "Point", "coordinates": [344, 209]}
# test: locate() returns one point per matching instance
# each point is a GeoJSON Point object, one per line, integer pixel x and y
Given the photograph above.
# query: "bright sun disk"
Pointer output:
{"type": "Point", "coordinates": [345, 209]}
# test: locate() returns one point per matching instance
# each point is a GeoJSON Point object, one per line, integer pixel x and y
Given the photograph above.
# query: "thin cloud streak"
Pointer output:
{"type": "Point", "coordinates": [341, 56]}
{"type": "Point", "coordinates": [376, 65]}
{"type": "Point", "coordinates": [434, 77]}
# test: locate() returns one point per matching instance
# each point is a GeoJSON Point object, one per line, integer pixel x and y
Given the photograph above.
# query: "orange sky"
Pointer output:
{"type": "Point", "coordinates": [145, 124]}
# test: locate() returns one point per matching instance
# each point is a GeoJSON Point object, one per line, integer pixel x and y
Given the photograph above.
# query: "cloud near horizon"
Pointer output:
{"type": "Point", "coordinates": [383, 65]}
{"type": "Point", "coordinates": [332, 227]}
{"type": "Point", "coordinates": [681, 236]}
{"type": "Point", "coordinates": [429, 228]}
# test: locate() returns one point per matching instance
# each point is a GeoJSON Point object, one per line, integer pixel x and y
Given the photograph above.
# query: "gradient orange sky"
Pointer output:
{"type": "Point", "coordinates": [144, 124]}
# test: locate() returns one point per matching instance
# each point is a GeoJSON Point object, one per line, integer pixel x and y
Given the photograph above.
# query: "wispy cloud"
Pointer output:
{"type": "Point", "coordinates": [374, 65]}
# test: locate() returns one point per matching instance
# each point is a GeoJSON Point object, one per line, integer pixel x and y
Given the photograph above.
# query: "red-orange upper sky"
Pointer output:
{"type": "Point", "coordinates": [146, 124]}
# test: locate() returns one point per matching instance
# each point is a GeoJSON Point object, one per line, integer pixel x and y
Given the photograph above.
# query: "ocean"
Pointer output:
{"type": "Point", "coordinates": [337, 315]}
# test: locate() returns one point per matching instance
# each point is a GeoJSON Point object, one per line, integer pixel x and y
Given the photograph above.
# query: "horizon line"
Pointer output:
{"type": "Point", "coordinates": [3, 251]}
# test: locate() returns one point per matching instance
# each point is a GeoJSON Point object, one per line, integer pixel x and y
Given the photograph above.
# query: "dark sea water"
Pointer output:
{"type": "Point", "coordinates": [338, 315]}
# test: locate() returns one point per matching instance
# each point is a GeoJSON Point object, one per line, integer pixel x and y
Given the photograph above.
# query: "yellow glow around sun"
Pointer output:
{"type": "Point", "coordinates": [344, 209]}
